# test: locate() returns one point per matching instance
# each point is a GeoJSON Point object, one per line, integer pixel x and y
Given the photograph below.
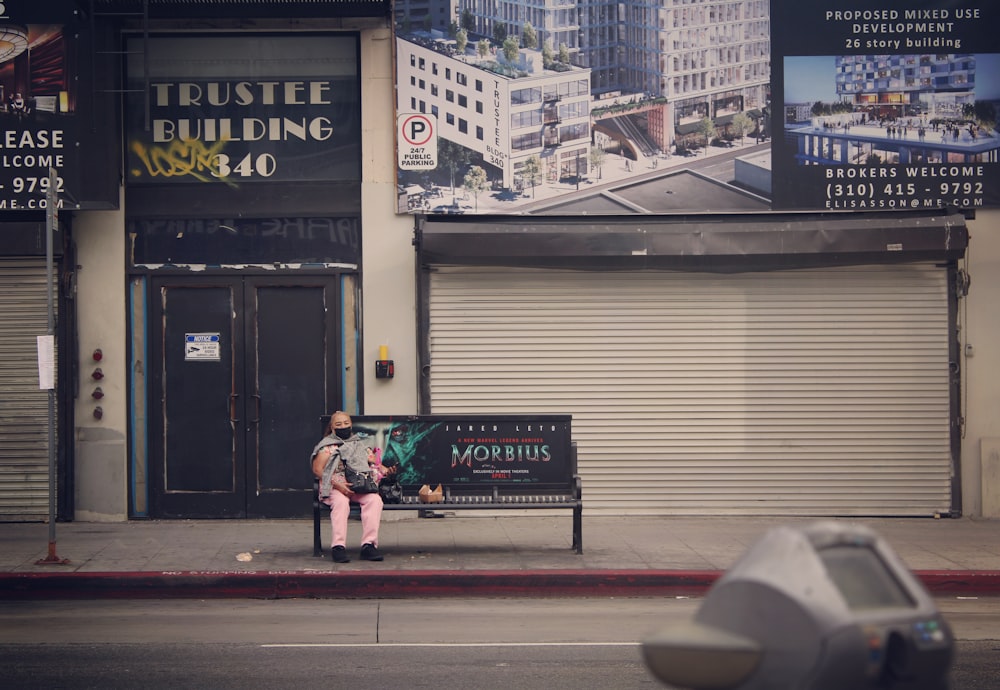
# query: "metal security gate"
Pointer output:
{"type": "Point", "coordinates": [243, 363]}
{"type": "Point", "coordinates": [803, 392]}
{"type": "Point", "coordinates": [24, 457]}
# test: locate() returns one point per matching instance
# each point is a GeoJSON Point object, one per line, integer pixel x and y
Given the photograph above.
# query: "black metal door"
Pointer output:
{"type": "Point", "coordinates": [245, 366]}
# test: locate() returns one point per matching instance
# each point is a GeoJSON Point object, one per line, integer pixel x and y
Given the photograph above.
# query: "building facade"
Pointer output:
{"type": "Point", "coordinates": [425, 15]}
{"type": "Point", "coordinates": [897, 109]}
{"type": "Point", "coordinates": [506, 113]}
{"type": "Point", "coordinates": [931, 86]}
{"type": "Point", "coordinates": [707, 59]}
{"type": "Point", "coordinates": [238, 313]}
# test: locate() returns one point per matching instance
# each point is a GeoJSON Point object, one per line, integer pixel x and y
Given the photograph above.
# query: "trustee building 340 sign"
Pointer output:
{"type": "Point", "coordinates": [210, 121]}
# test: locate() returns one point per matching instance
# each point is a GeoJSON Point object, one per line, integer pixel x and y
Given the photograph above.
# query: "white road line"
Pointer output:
{"type": "Point", "coordinates": [455, 644]}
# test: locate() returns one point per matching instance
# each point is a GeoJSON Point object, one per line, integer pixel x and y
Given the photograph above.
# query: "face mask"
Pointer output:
{"type": "Point", "coordinates": [343, 432]}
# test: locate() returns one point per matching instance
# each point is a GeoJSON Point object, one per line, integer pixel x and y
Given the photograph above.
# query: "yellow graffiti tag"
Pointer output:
{"type": "Point", "coordinates": [188, 157]}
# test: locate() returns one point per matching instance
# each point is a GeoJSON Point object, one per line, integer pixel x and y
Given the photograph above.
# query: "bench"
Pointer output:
{"type": "Point", "coordinates": [481, 462]}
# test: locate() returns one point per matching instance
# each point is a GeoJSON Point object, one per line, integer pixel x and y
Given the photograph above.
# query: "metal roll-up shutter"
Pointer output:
{"type": "Point", "coordinates": [804, 392]}
{"type": "Point", "coordinates": [24, 454]}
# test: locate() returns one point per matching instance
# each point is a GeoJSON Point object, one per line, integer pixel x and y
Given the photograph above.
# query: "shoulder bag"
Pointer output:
{"type": "Point", "coordinates": [358, 473]}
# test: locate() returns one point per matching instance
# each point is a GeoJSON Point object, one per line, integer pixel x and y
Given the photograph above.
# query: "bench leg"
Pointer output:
{"type": "Point", "coordinates": [578, 529]}
{"type": "Point", "coordinates": [317, 537]}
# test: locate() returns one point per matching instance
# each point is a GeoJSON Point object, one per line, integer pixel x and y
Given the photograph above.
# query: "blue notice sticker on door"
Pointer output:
{"type": "Point", "coordinates": [202, 347]}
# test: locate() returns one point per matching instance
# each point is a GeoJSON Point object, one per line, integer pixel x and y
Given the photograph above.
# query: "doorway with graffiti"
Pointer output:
{"type": "Point", "coordinates": [243, 213]}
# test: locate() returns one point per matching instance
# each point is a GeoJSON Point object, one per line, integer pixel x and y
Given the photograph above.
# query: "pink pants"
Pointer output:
{"type": "Point", "coordinates": [371, 517]}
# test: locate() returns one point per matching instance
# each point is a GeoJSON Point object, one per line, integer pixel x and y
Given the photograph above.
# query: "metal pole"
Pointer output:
{"type": "Point", "coordinates": [51, 218]}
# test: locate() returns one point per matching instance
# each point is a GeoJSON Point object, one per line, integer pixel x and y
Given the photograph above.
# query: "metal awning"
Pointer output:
{"type": "Point", "coordinates": [731, 242]}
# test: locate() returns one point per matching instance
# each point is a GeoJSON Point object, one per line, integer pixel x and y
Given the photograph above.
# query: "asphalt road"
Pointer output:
{"type": "Point", "coordinates": [495, 643]}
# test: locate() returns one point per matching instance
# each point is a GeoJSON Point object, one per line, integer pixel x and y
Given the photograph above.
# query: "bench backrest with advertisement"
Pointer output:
{"type": "Point", "coordinates": [485, 462]}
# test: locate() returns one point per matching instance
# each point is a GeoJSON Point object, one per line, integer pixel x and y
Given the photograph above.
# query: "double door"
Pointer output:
{"type": "Point", "coordinates": [245, 367]}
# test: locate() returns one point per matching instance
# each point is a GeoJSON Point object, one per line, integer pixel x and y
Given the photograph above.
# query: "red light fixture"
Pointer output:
{"type": "Point", "coordinates": [98, 355]}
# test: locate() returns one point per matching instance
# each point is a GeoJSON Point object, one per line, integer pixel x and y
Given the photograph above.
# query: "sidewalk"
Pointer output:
{"type": "Point", "coordinates": [509, 555]}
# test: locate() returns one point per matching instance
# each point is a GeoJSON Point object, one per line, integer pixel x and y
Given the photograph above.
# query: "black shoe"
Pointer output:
{"type": "Point", "coordinates": [340, 555]}
{"type": "Point", "coordinates": [370, 553]}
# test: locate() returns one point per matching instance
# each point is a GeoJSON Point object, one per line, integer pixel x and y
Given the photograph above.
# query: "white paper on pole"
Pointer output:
{"type": "Point", "coordinates": [46, 362]}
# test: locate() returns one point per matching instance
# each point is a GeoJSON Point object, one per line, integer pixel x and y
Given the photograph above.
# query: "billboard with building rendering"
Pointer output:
{"type": "Point", "coordinates": [735, 106]}
{"type": "Point", "coordinates": [886, 107]}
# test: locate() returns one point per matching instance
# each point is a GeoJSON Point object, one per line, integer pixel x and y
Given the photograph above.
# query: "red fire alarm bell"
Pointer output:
{"type": "Point", "coordinates": [384, 369]}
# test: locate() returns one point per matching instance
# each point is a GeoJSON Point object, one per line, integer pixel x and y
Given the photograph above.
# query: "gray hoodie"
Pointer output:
{"type": "Point", "coordinates": [353, 452]}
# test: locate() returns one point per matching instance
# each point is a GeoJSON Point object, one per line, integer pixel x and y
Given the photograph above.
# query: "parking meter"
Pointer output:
{"type": "Point", "coordinates": [827, 607]}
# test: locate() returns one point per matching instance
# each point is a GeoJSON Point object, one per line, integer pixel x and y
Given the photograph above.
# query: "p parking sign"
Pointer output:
{"type": "Point", "coordinates": [416, 147]}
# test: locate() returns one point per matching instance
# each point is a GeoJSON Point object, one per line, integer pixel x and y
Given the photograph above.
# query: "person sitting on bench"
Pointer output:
{"type": "Point", "coordinates": [328, 465]}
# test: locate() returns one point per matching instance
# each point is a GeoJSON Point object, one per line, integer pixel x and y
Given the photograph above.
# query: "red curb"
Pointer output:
{"type": "Point", "coordinates": [344, 585]}
{"type": "Point", "coordinates": [959, 582]}
{"type": "Point", "coordinates": [414, 583]}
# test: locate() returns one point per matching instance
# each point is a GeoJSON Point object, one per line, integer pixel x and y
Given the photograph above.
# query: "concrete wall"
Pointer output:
{"type": "Point", "coordinates": [754, 172]}
{"type": "Point", "coordinates": [388, 284]}
{"type": "Point", "coordinates": [990, 466]}
{"type": "Point", "coordinates": [101, 444]}
{"type": "Point", "coordinates": [980, 338]}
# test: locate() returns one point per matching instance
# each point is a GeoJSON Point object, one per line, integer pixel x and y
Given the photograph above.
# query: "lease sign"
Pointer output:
{"type": "Point", "coordinates": [40, 94]}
